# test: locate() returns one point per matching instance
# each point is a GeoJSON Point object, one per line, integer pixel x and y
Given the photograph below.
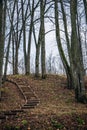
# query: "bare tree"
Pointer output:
{"type": "Point", "coordinates": [1, 43]}
{"type": "Point", "coordinates": [78, 72]}
{"type": "Point", "coordinates": [85, 6]}
{"type": "Point", "coordinates": [74, 70]}
{"type": "Point", "coordinates": [37, 44]}
{"type": "Point", "coordinates": [9, 40]}
{"type": "Point", "coordinates": [42, 40]}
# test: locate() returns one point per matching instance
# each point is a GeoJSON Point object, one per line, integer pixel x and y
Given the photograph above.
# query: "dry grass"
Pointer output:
{"type": "Point", "coordinates": [55, 100]}
{"type": "Point", "coordinates": [52, 92]}
{"type": "Point", "coordinates": [11, 98]}
{"type": "Point", "coordinates": [54, 96]}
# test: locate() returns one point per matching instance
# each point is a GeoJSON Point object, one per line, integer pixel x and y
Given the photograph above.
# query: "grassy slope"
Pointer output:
{"type": "Point", "coordinates": [54, 96]}
{"type": "Point", "coordinates": [55, 99]}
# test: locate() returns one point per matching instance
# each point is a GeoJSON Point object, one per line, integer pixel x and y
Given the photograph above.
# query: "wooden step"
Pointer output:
{"type": "Point", "coordinates": [9, 113]}
{"type": "Point", "coordinates": [27, 107]}
{"type": "Point", "coordinates": [31, 98]}
{"type": "Point", "coordinates": [2, 117]}
{"type": "Point", "coordinates": [33, 101]}
{"type": "Point", "coordinates": [17, 111]}
{"type": "Point", "coordinates": [30, 104]}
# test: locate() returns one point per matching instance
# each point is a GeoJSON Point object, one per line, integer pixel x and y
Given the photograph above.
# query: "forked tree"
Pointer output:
{"type": "Point", "coordinates": [74, 70]}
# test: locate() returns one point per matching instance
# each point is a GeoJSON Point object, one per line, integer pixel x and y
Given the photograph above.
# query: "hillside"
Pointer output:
{"type": "Point", "coordinates": [57, 108]}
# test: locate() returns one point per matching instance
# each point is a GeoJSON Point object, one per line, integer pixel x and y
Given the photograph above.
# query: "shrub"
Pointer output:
{"type": "Point", "coordinates": [80, 121]}
{"type": "Point", "coordinates": [24, 122]}
{"type": "Point", "coordinates": [57, 125]}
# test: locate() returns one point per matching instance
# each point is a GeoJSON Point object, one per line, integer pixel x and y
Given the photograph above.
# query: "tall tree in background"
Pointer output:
{"type": "Point", "coordinates": [42, 40]}
{"type": "Point", "coordinates": [32, 11]}
{"type": "Point", "coordinates": [9, 40]}
{"type": "Point", "coordinates": [59, 43]}
{"type": "Point", "coordinates": [78, 72]}
{"type": "Point", "coordinates": [37, 44]}
{"type": "Point", "coordinates": [16, 41]}
{"type": "Point", "coordinates": [74, 71]}
{"type": "Point", "coordinates": [68, 67]}
{"type": "Point", "coordinates": [85, 6]}
{"type": "Point", "coordinates": [24, 35]}
{"type": "Point", "coordinates": [1, 42]}
{"type": "Point", "coordinates": [28, 14]}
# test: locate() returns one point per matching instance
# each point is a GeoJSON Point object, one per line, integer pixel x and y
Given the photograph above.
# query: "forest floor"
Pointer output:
{"type": "Point", "coordinates": [57, 109]}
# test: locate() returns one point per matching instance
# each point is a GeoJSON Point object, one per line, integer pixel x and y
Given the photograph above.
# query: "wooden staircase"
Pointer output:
{"type": "Point", "coordinates": [31, 99]}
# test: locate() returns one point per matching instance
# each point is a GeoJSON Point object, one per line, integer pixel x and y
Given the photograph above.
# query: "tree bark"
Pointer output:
{"type": "Point", "coordinates": [59, 44]}
{"type": "Point", "coordinates": [29, 38]}
{"type": "Point", "coordinates": [9, 42]}
{"type": "Point", "coordinates": [24, 36]}
{"type": "Point", "coordinates": [69, 71]}
{"type": "Point", "coordinates": [1, 43]}
{"type": "Point", "coordinates": [43, 68]}
{"type": "Point", "coordinates": [37, 44]}
{"type": "Point", "coordinates": [85, 7]}
{"type": "Point", "coordinates": [78, 72]}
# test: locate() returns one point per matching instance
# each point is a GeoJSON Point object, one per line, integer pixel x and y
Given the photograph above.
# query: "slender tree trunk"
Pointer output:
{"type": "Point", "coordinates": [16, 59]}
{"type": "Point", "coordinates": [24, 36]}
{"type": "Point", "coordinates": [9, 42]}
{"type": "Point", "coordinates": [29, 38]}
{"type": "Point", "coordinates": [1, 44]}
{"type": "Point", "coordinates": [37, 60]}
{"type": "Point", "coordinates": [69, 71]}
{"type": "Point", "coordinates": [16, 41]}
{"type": "Point", "coordinates": [13, 52]}
{"type": "Point", "coordinates": [80, 41]}
{"type": "Point", "coordinates": [37, 43]}
{"type": "Point", "coordinates": [59, 44]}
{"type": "Point", "coordinates": [43, 68]}
{"type": "Point", "coordinates": [85, 6]}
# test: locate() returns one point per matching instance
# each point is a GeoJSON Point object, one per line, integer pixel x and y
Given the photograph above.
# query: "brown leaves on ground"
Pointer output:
{"type": "Point", "coordinates": [57, 109]}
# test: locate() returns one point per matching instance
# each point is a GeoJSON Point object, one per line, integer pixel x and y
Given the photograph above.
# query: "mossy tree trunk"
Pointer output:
{"type": "Point", "coordinates": [59, 44]}
{"type": "Point", "coordinates": [78, 72]}
{"type": "Point", "coordinates": [74, 70]}
{"type": "Point", "coordinates": [69, 68]}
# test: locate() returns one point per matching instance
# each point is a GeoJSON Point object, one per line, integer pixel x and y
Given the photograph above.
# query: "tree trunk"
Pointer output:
{"type": "Point", "coordinates": [59, 44]}
{"type": "Point", "coordinates": [1, 44]}
{"type": "Point", "coordinates": [37, 44]}
{"type": "Point", "coordinates": [29, 38]}
{"type": "Point", "coordinates": [43, 68]}
{"type": "Point", "coordinates": [85, 7]}
{"type": "Point", "coordinates": [68, 69]}
{"type": "Point", "coordinates": [16, 40]}
{"type": "Point", "coordinates": [9, 42]}
{"type": "Point", "coordinates": [13, 52]}
{"type": "Point", "coordinates": [24, 36]}
{"type": "Point", "coordinates": [78, 72]}
{"type": "Point", "coordinates": [37, 60]}
{"type": "Point", "coordinates": [16, 59]}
